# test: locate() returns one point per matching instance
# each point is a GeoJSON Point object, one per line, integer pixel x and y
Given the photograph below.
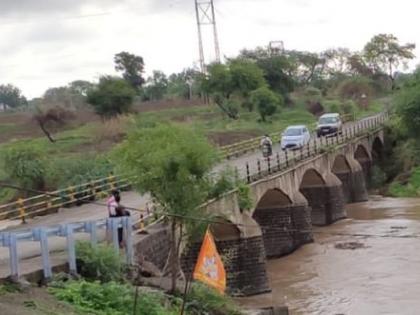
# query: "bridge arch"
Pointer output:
{"type": "Point", "coordinates": [274, 214]}
{"type": "Point", "coordinates": [362, 156]}
{"type": "Point", "coordinates": [377, 149]}
{"type": "Point", "coordinates": [324, 195]}
{"type": "Point", "coordinates": [341, 168]}
{"type": "Point", "coordinates": [244, 257]}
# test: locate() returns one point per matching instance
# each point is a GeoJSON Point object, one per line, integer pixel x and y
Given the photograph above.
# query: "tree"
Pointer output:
{"type": "Point", "coordinates": [48, 116]}
{"type": "Point", "coordinates": [11, 96]}
{"type": "Point", "coordinates": [156, 86]}
{"type": "Point", "coordinates": [337, 61]}
{"type": "Point", "coordinates": [408, 106]}
{"type": "Point", "coordinates": [232, 84]}
{"type": "Point", "coordinates": [81, 87]}
{"type": "Point", "coordinates": [266, 102]}
{"type": "Point", "coordinates": [173, 164]}
{"type": "Point", "coordinates": [308, 66]}
{"type": "Point", "coordinates": [385, 53]}
{"type": "Point", "coordinates": [277, 69]}
{"type": "Point", "coordinates": [132, 67]}
{"type": "Point", "coordinates": [112, 97]}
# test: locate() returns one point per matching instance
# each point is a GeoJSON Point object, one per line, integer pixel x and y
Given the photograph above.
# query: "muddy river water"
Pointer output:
{"type": "Point", "coordinates": [379, 273]}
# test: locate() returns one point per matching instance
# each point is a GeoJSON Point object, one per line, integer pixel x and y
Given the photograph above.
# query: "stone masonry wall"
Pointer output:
{"type": "Point", "coordinates": [244, 261]}
{"type": "Point", "coordinates": [358, 187]}
{"type": "Point", "coordinates": [327, 203]}
{"type": "Point", "coordinates": [155, 246]}
{"type": "Point", "coordinates": [284, 229]}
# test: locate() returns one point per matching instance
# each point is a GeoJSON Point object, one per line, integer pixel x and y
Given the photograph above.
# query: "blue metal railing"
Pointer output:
{"type": "Point", "coordinates": [41, 235]}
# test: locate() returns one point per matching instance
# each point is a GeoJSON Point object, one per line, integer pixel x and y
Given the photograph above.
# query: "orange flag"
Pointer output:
{"type": "Point", "coordinates": [209, 268]}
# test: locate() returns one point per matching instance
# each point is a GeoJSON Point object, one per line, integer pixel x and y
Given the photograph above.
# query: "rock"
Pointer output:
{"type": "Point", "coordinates": [21, 283]}
{"type": "Point", "coordinates": [275, 310]}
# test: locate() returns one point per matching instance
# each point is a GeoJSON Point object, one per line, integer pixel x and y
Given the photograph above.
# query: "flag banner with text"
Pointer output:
{"type": "Point", "coordinates": [209, 268]}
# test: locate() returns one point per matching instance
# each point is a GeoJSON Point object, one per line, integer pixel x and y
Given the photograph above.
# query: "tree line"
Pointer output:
{"type": "Point", "coordinates": [257, 79]}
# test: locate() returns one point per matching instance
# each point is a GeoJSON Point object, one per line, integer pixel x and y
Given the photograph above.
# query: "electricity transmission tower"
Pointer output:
{"type": "Point", "coordinates": [206, 17]}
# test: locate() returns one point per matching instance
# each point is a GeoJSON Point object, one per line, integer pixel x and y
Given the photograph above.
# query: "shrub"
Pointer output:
{"type": "Point", "coordinates": [204, 300]}
{"type": "Point", "coordinates": [99, 262]}
{"type": "Point", "coordinates": [110, 299]}
{"type": "Point", "coordinates": [333, 106]}
{"type": "Point", "coordinates": [358, 89]}
{"type": "Point", "coordinates": [25, 166]}
{"type": "Point", "coordinates": [266, 102]}
{"type": "Point", "coordinates": [74, 171]}
{"type": "Point", "coordinates": [378, 177]}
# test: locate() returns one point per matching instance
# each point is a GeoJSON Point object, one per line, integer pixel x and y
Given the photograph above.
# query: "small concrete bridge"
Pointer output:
{"type": "Point", "coordinates": [290, 196]}
{"type": "Point", "coordinates": [292, 191]}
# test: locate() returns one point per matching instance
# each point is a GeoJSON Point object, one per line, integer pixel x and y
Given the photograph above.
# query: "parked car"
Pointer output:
{"type": "Point", "coordinates": [329, 124]}
{"type": "Point", "coordinates": [295, 137]}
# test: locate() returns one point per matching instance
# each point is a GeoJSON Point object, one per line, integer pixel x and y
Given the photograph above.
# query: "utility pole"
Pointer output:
{"type": "Point", "coordinates": [205, 13]}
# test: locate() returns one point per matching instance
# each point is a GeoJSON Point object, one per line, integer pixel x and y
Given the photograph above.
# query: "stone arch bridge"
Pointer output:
{"type": "Point", "coordinates": [312, 191]}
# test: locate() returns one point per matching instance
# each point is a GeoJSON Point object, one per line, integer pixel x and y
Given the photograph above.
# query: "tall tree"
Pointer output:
{"type": "Point", "coordinates": [11, 96]}
{"type": "Point", "coordinates": [173, 164]}
{"type": "Point", "coordinates": [156, 86]}
{"type": "Point", "coordinates": [385, 53]}
{"type": "Point", "coordinates": [112, 97]}
{"type": "Point", "coordinates": [132, 67]}
{"type": "Point", "coordinates": [337, 60]}
{"type": "Point", "coordinates": [231, 84]}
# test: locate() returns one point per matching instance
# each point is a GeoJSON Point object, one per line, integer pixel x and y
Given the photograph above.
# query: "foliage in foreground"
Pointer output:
{"type": "Point", "coordinates": [110, 299]}
{"type": "Point", "coordinates": [100, 262]}
{"type": "Point", "coordinates": [118, 299]}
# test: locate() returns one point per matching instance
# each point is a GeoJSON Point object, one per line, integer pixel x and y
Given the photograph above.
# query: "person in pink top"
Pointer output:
{"type": "Point", "coordinates": [113, 202]}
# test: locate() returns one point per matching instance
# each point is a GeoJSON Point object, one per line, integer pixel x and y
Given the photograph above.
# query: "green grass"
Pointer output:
{"type": "Point", "coordinates": [4, 128]}
{"type": "Point", "coordinates": [409, 189]}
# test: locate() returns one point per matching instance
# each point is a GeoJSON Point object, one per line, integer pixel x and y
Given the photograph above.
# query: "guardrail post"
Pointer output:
{"type": "Point", "coordinates": [308, 149]}
{"type": "Point", "coordinates": [111, 180]}
{"type": "Point", "coordinates": [278, 161]}
{"type": "Point", "coordinates": [10, 240]}
{"type": "Point", "coordinates": [248, 175]}
{"type": "Point", "coordinates": [112, 226]}
{"type": "Point", "coordinates": [269, 165]}
{"type": "Point", "coordinates": [91, 228]}
{"type": "Point", "coordinates": [128, 232]}
{"type": "Point", "coordinates": [22, 210]}
{"type": "Point", "coordinates": [287, 158]}
{"type": "Point", "coordinates": [315, 146]}
{"type": "Point", "coordinates": [40, 234]}
{"type": "Point", "coordinates": [68, 232]}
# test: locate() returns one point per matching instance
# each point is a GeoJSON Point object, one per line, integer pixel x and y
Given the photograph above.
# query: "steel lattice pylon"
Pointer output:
{"type": "Point", "coordinates": [206, 16]}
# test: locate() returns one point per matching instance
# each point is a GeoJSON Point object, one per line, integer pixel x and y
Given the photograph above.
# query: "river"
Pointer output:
{"type": "Point", "coordinates": [380, 276]}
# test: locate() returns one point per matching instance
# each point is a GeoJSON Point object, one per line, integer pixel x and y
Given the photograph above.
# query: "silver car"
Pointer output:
{"type": "Point", "coordinates": [295, 137]}
{"type": "Point", "coordinates": [329, 124]}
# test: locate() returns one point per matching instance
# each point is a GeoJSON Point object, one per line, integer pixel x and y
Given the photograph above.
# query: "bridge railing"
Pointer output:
{"type": "Point", "coordinates": [72, 232]}
{"type": "Point", "coordinates": [51, 201]}
{"type": "Point", "coordinates": [281, 161]}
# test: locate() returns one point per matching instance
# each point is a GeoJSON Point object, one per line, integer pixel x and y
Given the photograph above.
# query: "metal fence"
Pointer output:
{"type": "Point", "coordinates": [287, 159]}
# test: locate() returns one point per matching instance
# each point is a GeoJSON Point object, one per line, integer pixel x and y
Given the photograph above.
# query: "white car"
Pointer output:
{"type": "Point", "coordinates": [295, 137]}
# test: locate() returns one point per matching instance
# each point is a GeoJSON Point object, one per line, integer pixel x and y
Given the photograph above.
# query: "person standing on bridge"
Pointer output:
{"type": "Point", "coordinates": [266, 146]}
{"type": "Point", "coordinates": [113, 202]}
{"type": "Point", "coordinates": [120, 211]}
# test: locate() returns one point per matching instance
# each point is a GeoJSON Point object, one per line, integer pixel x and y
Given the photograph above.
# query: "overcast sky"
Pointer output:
{"type": "Point", "coordinates": [48, 43]}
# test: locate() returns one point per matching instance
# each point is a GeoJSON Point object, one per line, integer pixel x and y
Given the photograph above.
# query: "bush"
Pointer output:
{"type": "Point", "coordinates": [333, 106]}
{"type": "Point", "coordinates": [25, 166]}
{"type": "Point", "coordinates": [99, 262]}
{"type": "Point", "coordinates": [110, 299]}
{"type": "Point", "coordinates": [74, 171]}
{"type": "Point", "coordinates": [204, 300]}
{"type": "Point", "coordinates": [359, 89]}
{"type": "Point", "coordinates": [378, 177]}
{"type": "Point", "coordinates": [266, 102]}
